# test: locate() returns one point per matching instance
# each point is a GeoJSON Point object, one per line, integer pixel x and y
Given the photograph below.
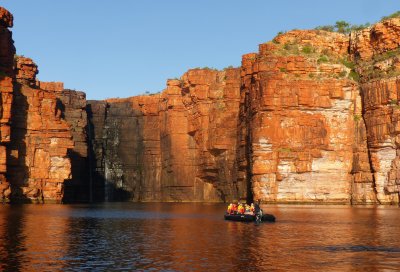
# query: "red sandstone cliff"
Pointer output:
{"type": "Point", "coordinates": [312, 117]}
{"type": "Point", "coordinates": [301, 110]}
{"type": "Point", "coordinates": [37, 158]}
{"type": "Point", "coordinates": [376, 53]}
{"type": "Point", "coordinates": [295, 126]}
{"type": "Point", "coordinates": [179, 145]}
{"type": "Point", "coordinates": [7, 52]}
{"type": "Point", "coordinates": [71, 105]}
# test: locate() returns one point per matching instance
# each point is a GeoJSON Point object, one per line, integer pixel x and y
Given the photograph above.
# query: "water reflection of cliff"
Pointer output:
{"type": "Point", "coordinates": [12, 239]}
{"type": "Point", "coordinates": [188, 236]}
{"type": "Point", "coordinates": [32, 237]}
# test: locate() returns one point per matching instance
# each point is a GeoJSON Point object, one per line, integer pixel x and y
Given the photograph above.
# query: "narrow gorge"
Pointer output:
{"type": "Point", "coordinates": [313, 117]}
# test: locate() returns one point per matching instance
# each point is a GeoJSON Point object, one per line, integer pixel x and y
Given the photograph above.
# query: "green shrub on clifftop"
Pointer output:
{"type": "Point", "coordinates": [343, 27]}
{"type": "Point", "coordinates": [393, 15]}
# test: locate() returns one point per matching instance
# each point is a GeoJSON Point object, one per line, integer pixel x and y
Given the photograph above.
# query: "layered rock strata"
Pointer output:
{"type": "Point", "coordinates": [306, 129]}
{"type": "Point", "coordinates": [376, 53]}
{"type": "Point", "coordinates": [7, 52]}
{"type": "Point", "coordinates": [37, 159]}
{"type": "Point", "coordinates": [179, 145]}
{"type": "Point", "coordinates": [301, 121]}
{"type": "Point", "coordinates": [96, 114]}
{"type": "Point", "coordinates": [312, 117]}
{"type": "Point", "coordinates": [72, 106]}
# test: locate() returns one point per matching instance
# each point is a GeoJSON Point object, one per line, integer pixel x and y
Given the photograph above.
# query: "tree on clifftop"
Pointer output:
{"type": "Point", "coordinates": [342, 27]}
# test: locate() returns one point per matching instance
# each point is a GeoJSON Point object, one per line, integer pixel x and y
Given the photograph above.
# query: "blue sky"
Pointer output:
{"type": "Point", "coordinates": [121, 48]}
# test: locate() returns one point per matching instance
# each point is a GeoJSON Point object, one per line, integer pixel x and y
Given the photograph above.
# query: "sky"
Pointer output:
{"type": "Point", "coordinates": [122, 48]}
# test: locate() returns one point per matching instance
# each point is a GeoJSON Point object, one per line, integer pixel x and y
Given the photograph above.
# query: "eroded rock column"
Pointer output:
{"type": "Point", "coordinates": [37, 161]}
{"type": "Point", "coordinates": [376, 52]}
{"type": "Point", "coordinates": [7, 52]}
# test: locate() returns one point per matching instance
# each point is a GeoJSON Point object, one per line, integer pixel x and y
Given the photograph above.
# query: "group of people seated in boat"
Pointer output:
{"type": "Point", "coordinates": [242, 208]}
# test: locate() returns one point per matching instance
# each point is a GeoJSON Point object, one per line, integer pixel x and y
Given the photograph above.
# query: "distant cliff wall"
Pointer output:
{"type": "Point", "coordinates": [312, 117]}
{"type": "Point", "coordinates": [179, 145]}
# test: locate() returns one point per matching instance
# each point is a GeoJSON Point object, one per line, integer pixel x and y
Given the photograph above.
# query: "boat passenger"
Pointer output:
{"type": "Point", "coordinates": [229, 210]}
{"type": "Point", "coordinates": [257, 209]}
{"type": "Point", "coordinates": [234, 208]}
{"type": "Point", "coordinates": [248, 210]}
{"type": "Point", "coordinates": [241, 209]}
{"type": "Point", "coordinates": [252, 208]}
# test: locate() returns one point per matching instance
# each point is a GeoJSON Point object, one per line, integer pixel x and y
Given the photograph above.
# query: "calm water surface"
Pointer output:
{"type": "Point", "coordinates": [194, 237]}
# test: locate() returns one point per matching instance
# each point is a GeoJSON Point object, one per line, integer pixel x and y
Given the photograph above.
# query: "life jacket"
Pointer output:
{"type": "Point", "coordinates": [229, 208]}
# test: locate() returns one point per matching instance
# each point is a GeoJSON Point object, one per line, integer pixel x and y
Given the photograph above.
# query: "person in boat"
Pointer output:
{"type": "Point", "coordinates": [257, 208]}
{"type": "Point", "coordinates": [248, 210]}
{"type": "Point", "coordinates": [252, 208]}
{"type": "Point", "coordinates": [229, 210]}
{"type": "Point", "coordinates": [241, 209]}
{"type": "Point", "coordinates": [234, 209]}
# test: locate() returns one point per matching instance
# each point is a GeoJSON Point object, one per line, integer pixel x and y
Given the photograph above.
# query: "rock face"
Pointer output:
{"type": "Point", "coordinates": [380, 38]}
{"type": "Point", "coordinates": [72, 107]}
{"type": "Point", "coordinates": [73, 104]}
{"type": "Point", "coordinates": [295, 126]}
{"type": "Point", "coordinates": [314, 116]}
{"type": "Point", "coordinates": [300, 119]}
{"type": "Point", "coordinates": [96, 114]}
{"type": "Point", "coordinates": [176, 146]}
{"type": "Point", "coordinates": [376, 52]}
{"type": "Point", "coordinates": [37, 156]}
{"type": "Point", "coordinates": [7, 52]}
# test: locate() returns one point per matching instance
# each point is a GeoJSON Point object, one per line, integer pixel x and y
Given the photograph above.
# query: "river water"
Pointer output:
{"type": "Point", "coordinates": [194, 237]}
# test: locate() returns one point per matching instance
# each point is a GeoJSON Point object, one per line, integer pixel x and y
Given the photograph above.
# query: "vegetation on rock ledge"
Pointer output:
{"type": "Point", "coordinates": [343, 27]}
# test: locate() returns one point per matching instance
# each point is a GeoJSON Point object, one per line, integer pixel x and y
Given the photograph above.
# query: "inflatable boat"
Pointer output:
{"type": "Point", "coordinates": [248, 217]}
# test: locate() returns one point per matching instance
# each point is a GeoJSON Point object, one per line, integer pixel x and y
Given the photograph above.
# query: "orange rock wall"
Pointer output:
{"type": "Point", "coordinates": [379, 38]}
{"type": "Point", "coordinates": [37, 157]}
{"type": "Point", "coordinates": [292, 124]}
{"type": "Point", "coordinates": [7, 52]}
{"type": "Point", "coordinates": [199, 136]}
{"type": "Point", "coordinates": [376, 53]}
{"type": "Point", "coordinates": [179, 145]}
{"type": "Point", "coordinates": [289, 128]}
{"type": "Point", "coordinates": [300, 125]}
{"type": "Point", "coordinates": [72, 107]}
{"type": "Point", "coordinates": [383, 124]}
